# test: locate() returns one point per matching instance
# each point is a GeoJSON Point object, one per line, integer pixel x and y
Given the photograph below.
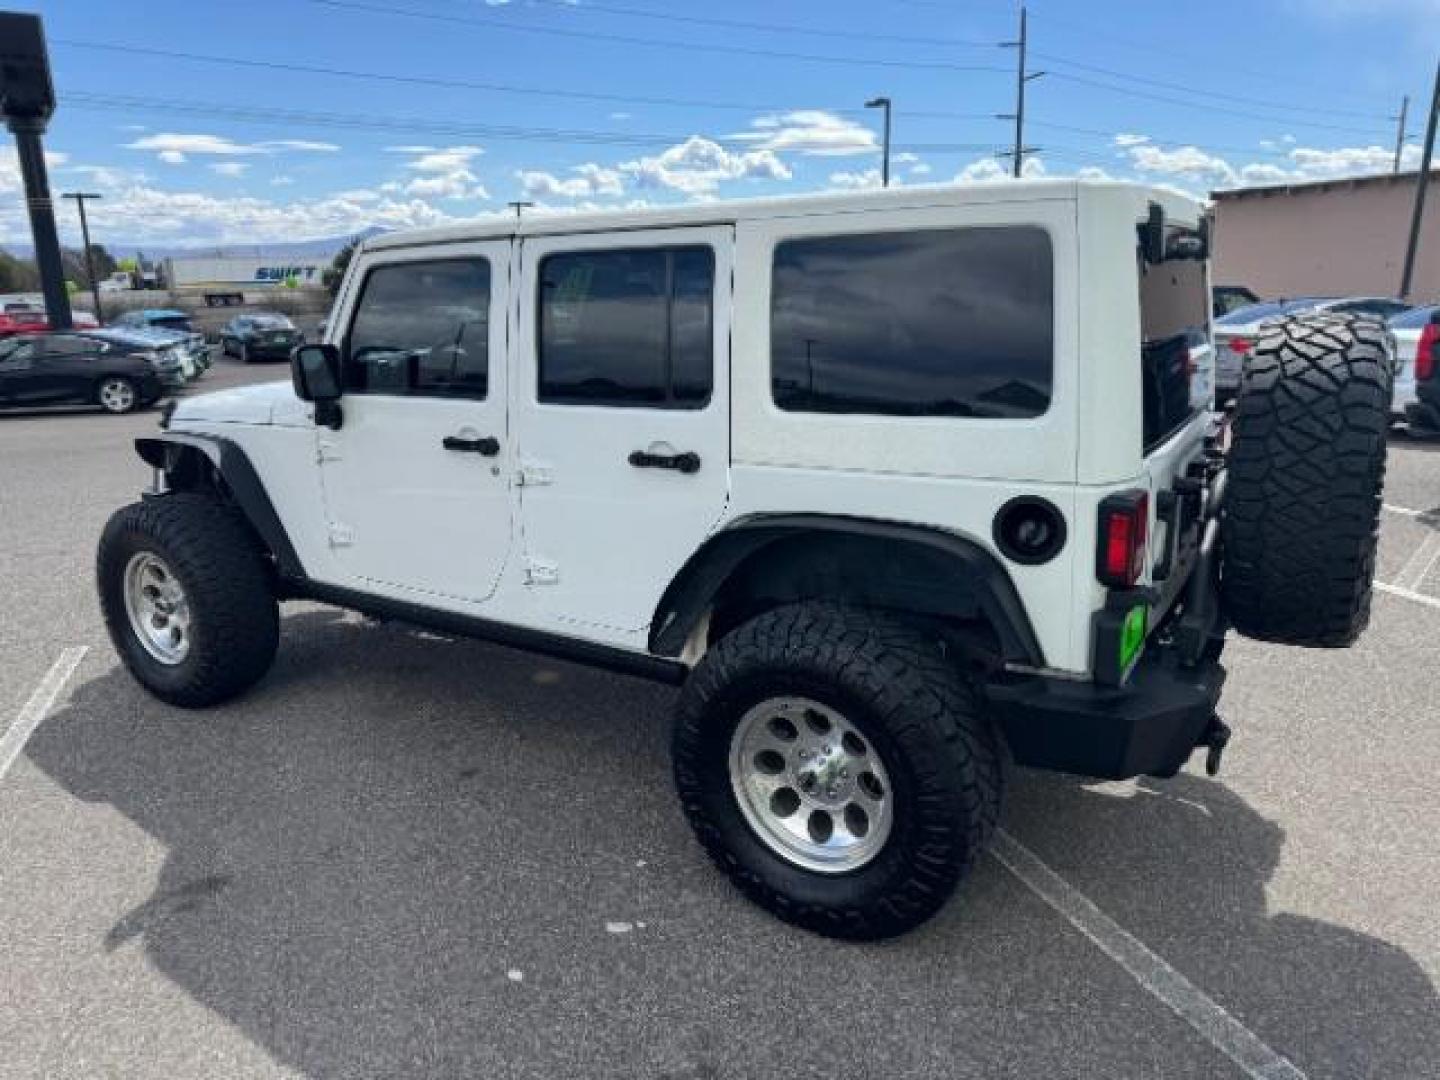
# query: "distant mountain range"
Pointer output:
{"type": "Point", "coordinates": [309, 249]}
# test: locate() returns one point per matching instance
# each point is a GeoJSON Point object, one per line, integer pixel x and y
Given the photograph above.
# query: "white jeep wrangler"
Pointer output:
{"type": "Point", "coordinates": [894, 485]}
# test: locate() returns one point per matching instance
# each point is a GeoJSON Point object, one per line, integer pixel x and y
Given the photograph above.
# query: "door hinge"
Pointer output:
{"type": "Point", "coordinates": [341, 535]}
{"type": "Point", "coordinates": [326, 451]}
{"type": "Point", "coordinates": [541, 572]}
{"type": "Point", "coordinates": [534, 474]}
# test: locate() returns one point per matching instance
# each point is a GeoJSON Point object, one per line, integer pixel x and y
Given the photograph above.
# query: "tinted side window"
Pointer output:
{"type": "Point", "coordinates": [955, 322]}
{"type": "Point", "coordinates": [627, 328]}
{"type": "Point", "coordinates": [422, 328]}
{"type": "Point", "coordinates": [59, 345]}
{"type": "Point", "coordinates": [1174, 318]}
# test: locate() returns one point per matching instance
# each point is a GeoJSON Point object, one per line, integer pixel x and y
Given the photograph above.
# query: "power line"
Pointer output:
{"type": "Point", "coordinates": [626, 39]}
{"type": "Point", "coordinates": [457, 129]}
{"type": "Point", "coordinates": [1217, 95]}
{"type": "Point", "coordinates": [453, 84]}
{"type": "Point", "coordinates": [1127, 91]}
{"type": "Point", "coordinates": [769, 28]}
{"type": "Point", "coordinates": [1088, 30]}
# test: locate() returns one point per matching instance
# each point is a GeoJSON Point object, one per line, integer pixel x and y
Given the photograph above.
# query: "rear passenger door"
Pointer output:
{"type": "Point", "coordinates": [416, 479]}
{"type": "Point", "coordinates": [621, 406]}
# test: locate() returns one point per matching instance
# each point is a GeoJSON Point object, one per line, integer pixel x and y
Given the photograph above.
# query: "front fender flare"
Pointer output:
{"type": "Point", "coordinates": [173, 451]}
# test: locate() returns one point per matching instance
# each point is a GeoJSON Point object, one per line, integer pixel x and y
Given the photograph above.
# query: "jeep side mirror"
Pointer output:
{"type": "Point", "coordinates": [315, 371]}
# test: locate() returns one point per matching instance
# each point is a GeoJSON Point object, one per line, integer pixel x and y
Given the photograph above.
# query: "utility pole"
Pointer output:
{"type": "Point", "coordinates": [1422, 182]}
{"type": "Point", "coordinates": [80, 197]}
{"type": "Point", "coordinates": [883, 103]}
{"type": "Point", "coordinates": [518, 206]}
{"type": "Point", "coordinates": [1021, 78]}
{"type": "Point", "coordinates": [1400, 131]}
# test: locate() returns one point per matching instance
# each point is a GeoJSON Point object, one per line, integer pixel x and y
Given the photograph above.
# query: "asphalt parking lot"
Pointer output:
{"type": "Point", "coordinates": [403, 855]}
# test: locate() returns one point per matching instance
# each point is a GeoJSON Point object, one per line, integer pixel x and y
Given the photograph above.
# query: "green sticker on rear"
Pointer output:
{"type": "Point", "coordinates": [1132, 635]}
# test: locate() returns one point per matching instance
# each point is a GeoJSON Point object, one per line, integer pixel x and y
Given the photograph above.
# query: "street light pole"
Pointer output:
{"type": "Point", "coordinates": [883, 103]}
{"type": "Point", "coordinates": [80, 197]}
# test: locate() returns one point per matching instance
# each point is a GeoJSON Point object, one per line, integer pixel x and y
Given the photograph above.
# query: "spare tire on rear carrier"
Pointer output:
{"type": "Point", "coordinates": [1306, 467]}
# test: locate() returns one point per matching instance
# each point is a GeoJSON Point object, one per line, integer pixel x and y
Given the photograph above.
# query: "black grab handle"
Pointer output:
{"type": "Point", "coordinates": [686, 462]}
{"type": "Point", "coordinates": [489, 445]}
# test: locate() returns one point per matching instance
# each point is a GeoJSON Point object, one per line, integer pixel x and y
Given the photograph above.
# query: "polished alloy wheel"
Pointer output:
{"type": "Point", "coordinates": [158, 609]}
{"type": "Point", "coordinates": [117, 396]}
{"type": "Point", "coordinates": [810, 785]}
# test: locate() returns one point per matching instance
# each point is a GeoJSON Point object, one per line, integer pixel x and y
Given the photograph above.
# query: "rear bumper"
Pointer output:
{"type": "Point", "coordinates": [1423, 416]}
{"type": "Point", "coordinates": [1151, 725]}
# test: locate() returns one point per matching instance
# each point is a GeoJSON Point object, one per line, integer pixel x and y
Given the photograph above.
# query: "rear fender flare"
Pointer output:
{"type": "Point", "coordinates": [693, 591]}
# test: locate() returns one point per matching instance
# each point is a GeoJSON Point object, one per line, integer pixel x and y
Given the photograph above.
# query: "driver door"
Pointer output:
{"type": "Point", "coordinates": [416, 479]}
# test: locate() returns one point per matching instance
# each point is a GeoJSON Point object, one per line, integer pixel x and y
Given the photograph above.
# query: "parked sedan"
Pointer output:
{"type": "Point", "coordinates": [42, 370]}
{"type": "Point", "coordinates": [166, 351]}
{"type": "Point", "coordinates": [1416, 333]}
{"type": "Point", "coordinates": [1236, 332]}
{"type": "Point", "coordinates": [262, 335]}
{"type": "Point", "coordinates": [25, 316]}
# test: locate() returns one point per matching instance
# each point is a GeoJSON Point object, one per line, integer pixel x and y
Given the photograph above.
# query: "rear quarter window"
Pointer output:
{"type": "Point", "coordinates": [953, 322]}
{"type": "Point", "coordinates": [1174, 316]}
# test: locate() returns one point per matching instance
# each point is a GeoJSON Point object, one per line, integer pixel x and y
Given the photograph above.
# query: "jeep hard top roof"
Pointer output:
{"type": "Point", "coordinates": [728, 212]}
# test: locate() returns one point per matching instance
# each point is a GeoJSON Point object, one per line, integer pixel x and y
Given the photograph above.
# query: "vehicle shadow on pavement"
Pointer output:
{"type": "Point", "coordinates": [402, 855]}
{"type": "Point", "coordinates": [1183, 864]}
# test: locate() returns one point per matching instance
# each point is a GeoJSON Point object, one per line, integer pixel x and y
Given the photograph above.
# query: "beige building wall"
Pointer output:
{"type": "Point", "coordinates": [1338, 239]}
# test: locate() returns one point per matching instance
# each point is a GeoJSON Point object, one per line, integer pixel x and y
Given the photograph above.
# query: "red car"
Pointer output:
{"type": "Point", "coordinates": [27, 317]}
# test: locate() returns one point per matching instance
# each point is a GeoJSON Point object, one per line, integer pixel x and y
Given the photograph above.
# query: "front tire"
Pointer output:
{"type": "Point", "coordinates": [837, 768]}
{"type": "Point", "coordinates": [187, 599]}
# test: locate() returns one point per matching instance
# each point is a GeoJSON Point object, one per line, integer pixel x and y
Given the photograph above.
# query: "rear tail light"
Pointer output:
{"type": "Point", "coordinates": [1425, 351]}
{"type": "Point", "coordinates": [1240, 346]}
{"type": "Point", "coordinates": [1124, 532]}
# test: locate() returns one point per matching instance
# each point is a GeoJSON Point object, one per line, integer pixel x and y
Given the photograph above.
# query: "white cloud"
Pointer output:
{"type": "Point", "coordinates": [170, 142]}
{"type": "Point", "coordinates": [446, 159]}
{"type": "Point", "coordinates": [698, 165]}
{"type": "Point", "coordinates": [989, 170]}
{"type": "Point", "coordinates": [620, 116]}
{"type": "Point", "coordinates": [810, 131]}
{"type": "Point", "coordinates": [589, 180]}
{"type": "Point", "coordinates": [175, 148]}
{"type": "Point", "coordinates": [455, 184]}
{"type": "Point", "coordinates": [230, 168]}
{"type": "Point", "coordinates": [1093, 172]}
{"type": "Point", "coordinates": [1186, 162]}
{"type": "Point", "coordinates": [281, 181]}
{"type": "Point", "coordinates": [856, 181]}
{"type": "Point", "coordinates": [1127, 139]}
{"type": "Point", "coordinates": [920, 169]}
{"type": "Point", "coordinates": [10, 167]}
{"type": "Point", "coordinates": [304, 145]}
{"type": "Point", "coordinates": [144, 214]}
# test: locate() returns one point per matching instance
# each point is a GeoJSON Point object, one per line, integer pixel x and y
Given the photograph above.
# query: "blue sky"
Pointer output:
{"type": "Point", "coordinates": [453, 107]}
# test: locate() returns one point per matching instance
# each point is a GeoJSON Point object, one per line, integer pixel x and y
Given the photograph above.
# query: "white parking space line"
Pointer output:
{"type": "Point", "coordinates": [1403, 511]}
{"type": "Point", "coordinates": [1408, 594]}
{"type": "Point", "coordinates": [1419, 564]}
{"type": "Point", "coordinates": [35, 710]}
{"type": "Point", "coordinates": [1159, 979]}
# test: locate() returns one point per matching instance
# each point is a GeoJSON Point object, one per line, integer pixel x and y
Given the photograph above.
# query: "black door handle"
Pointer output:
{"type": "Point", "coordinates": [686, 462]}
{"type": "Point", "coordinates": [489, 445]}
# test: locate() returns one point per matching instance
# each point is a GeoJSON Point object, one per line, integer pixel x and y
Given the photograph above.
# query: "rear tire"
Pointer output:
{"type": "Point", "coordinates": [903, 712]}
{"type": "Point", "coordinates": [116, 394]}
{"type": "Point", "coordinates": [244, 353]}
{"type": "Point", "coordinates": [187, 599]}
{"type": "Point", "coordinates": [1306, 465]}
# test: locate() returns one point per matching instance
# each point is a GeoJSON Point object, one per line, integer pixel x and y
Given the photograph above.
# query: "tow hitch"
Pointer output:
{"type": "Point", "coordinates": [1215, 738]}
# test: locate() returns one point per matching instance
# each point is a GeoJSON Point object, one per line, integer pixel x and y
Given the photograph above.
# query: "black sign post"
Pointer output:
{"type": "Point", "coordinates": [27, 100]}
